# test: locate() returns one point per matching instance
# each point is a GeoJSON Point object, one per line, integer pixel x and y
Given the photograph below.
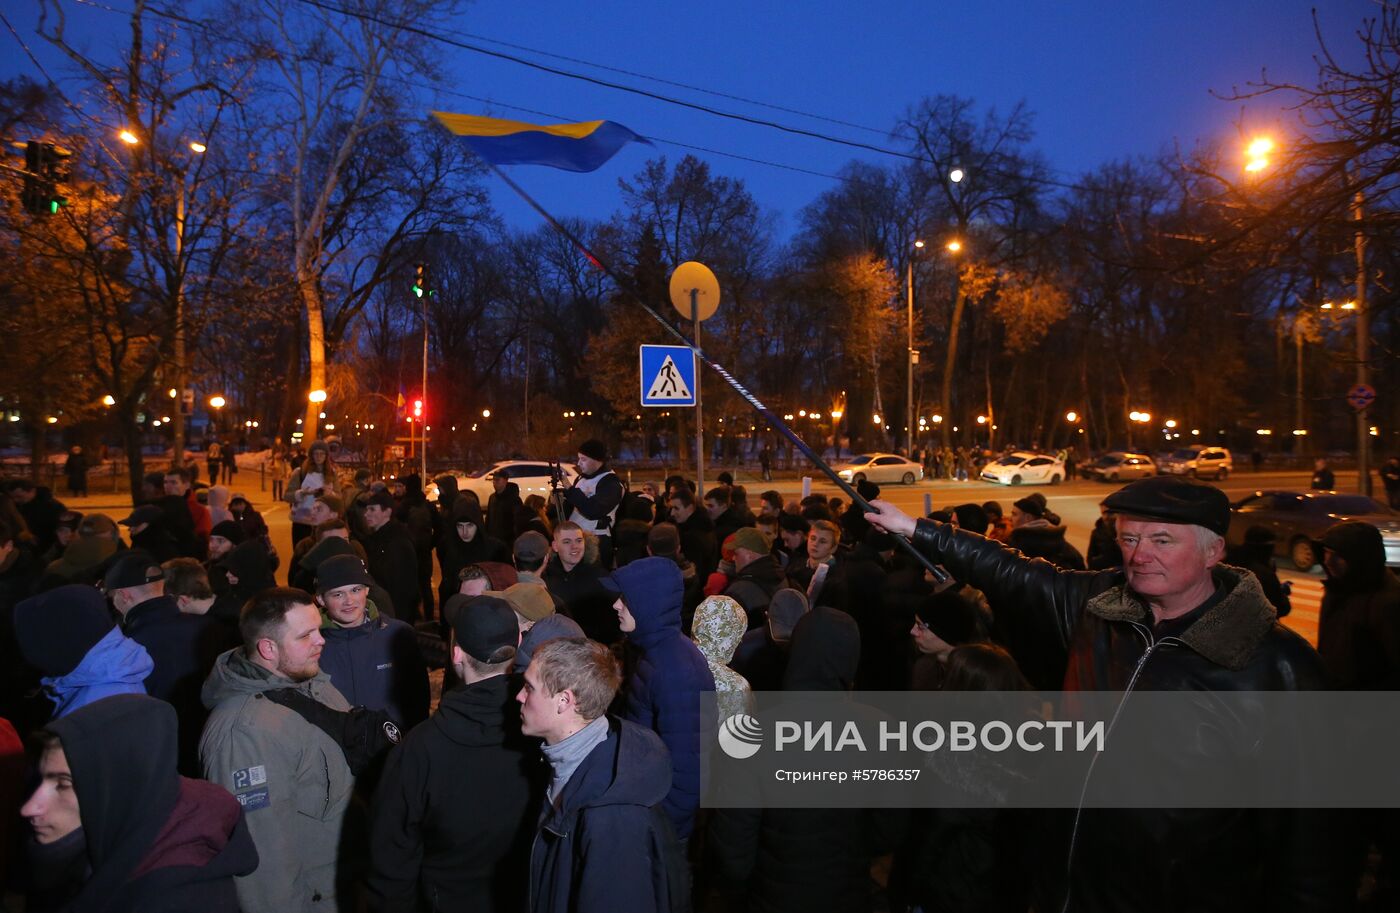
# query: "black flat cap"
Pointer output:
{"type": "Point", "coordinates": [1173, 500]}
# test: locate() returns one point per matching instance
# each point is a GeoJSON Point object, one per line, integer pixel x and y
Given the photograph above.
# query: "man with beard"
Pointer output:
{"type": "Point", "coordinates": [454, 811]}
{"type": "Point", "coordinates": [289, 775]}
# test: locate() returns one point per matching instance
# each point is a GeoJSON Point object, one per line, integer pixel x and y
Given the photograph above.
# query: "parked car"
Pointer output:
{"type": "Point", "coordinates": [1119, 465]}
{"type": "Point", "coordinates": [1025, 468]}
{"type": "Point", "coordinates": [880, 468]}
{"type": "Point", "coordinates": [531, 475]}
{"type": "Point", "coordinates": [1299, 518]}
{"type": "Point", "coordinates": [1199, 461]}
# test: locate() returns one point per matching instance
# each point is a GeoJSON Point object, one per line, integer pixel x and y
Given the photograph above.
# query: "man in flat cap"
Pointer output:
{"type": "Point", "coordinates": [1172, 618]}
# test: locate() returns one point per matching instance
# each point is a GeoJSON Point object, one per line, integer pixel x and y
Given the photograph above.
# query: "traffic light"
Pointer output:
{"type": "Point", "coordinates": [417, 408]}
{"type": "Point", "coordinates": [43, 166]}
{"type": "Point", "coordinates": [421, 285]}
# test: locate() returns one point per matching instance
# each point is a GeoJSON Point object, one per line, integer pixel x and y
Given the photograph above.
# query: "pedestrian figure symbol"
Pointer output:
{"type": "Point", "coordinates": [668, 376]}
{"type": "Point", "coordinates": [668, 383]}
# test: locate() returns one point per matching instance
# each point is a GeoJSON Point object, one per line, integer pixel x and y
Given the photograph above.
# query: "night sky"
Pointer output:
{"type": "Point", "coordinates": [1105, 80]}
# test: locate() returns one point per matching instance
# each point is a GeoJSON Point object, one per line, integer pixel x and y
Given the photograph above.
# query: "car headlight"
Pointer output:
{"type": "Point", "coordinates": [845, 474]}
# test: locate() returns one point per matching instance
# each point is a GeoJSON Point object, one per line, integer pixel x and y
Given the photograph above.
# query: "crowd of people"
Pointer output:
{"type": "Point", "coordinates": [210, 724]}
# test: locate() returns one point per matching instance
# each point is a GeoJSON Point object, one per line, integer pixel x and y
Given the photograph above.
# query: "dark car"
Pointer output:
{"type": "Point", "coordinates": [1299, 518]}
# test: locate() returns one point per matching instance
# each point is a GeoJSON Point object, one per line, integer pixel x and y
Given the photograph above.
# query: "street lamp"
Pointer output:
{"type": "Point", "coordinates": [954, 246]}
{"type": "Point", "coordinates": [913, 357]}
{"type": "Point", "coordinates": [1258, 151]}
{"type": "Point", "coordinates": [128, 137]}
{"type": "Point", "coordinates": [956, 175]}
{"type": "Point", "coordinates": [317, 396]}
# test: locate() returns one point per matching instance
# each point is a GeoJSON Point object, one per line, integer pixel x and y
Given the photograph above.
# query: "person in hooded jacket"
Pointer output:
{"type": "Point", "coordinates": [247, 570]}
{"type": "Point", "coordinates": [455, 808]}
{"type": "Point", "coordinates": [465, 541]}
{"type": "Point", "coordinates": [671, 674]}
{"type": "Point", "coordinates": [1358, 631]}
{"type": "Point", "coordinates": [720, 624]}
{"type": "Point", "coordinates": [1104, 552]}
{"type": "Point", "coordinates": [1037, 533]}
{"type": "Point", "coordinates": [110, 796]}
{"type": "Point", "coordinates": [391, 556]}
{"type": "Point", "coordinates": [804, 859]}
{"type": "Point", "coordinates": [373, 660]}
{"type": "Point", "coordinates": [1256, 555]}
{"type": "Point", "coordinates": [67, 636]}
{"type": "Point", "coordinates": [602, 843]}
{"type": "Point", "coordinates": [421, 521]}
{"type": "Point", "coordinates": [40, 510]}
{"type": "Point", "coordinates": [504, 509]}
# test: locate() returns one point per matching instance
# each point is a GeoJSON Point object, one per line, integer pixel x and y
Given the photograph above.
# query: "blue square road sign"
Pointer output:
{"type": "Point", "coordinates": [668, 376]}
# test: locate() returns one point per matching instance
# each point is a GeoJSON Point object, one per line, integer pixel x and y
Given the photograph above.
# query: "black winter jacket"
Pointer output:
{"type": "Point", "coordinates": [1102, 634]}
{"type": "Point", "coordinates": [456, 807]}
{"type": "Point", "coordinates": [392, 561]}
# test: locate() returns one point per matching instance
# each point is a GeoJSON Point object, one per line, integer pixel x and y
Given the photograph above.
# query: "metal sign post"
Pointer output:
{"type": "Point", "coordinates": [695, 294]}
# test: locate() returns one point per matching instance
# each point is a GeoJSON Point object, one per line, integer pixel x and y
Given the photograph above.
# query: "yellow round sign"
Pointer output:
{"type": "Point", "coordinates": [694, 286]}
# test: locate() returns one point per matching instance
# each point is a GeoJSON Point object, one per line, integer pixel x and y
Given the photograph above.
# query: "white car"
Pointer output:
{"type": "Point", "coordinates": [531, 475]}
{"type": "Point", "coordinates": [880, 467]}
{"type": "Point", "coordinates": [1025, 468]}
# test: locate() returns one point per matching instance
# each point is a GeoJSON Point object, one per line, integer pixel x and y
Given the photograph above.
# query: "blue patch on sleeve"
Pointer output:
{"type": "Point", "coordinates": [253, 799]}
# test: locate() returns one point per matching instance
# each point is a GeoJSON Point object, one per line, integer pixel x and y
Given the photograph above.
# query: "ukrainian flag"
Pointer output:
{"type": "Point", "coordinates": [572, 147]}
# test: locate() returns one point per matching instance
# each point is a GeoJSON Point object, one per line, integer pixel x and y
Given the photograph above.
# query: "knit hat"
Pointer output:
{"type": "Point", "coordinates": [530, 601]}
{"type": "Point", "coordinates": [594, 449]}
{"type": "Point", "coordinates": [466, 510]}
{"type": "Point", "coordinates": [530, 547]}
{"type": "Point", "coordinates": [1033, 504]}
{"type": "Point", "coordinates": [500, 574]}
{"type": "Point", "coordinates": [1173, 500]}
{"type": "Point", "coordinates": [751, 539]}
{"type": "Point", "coordinates": [482, 624]}
{"type": "Point", "coordinates": [231, 530]}
{"type": "Point", "coordinates": [548, 628]}
{"type": "Point", "coordinates": [341, 570]}
{"type": "Point", "coordinates": [57, 628]}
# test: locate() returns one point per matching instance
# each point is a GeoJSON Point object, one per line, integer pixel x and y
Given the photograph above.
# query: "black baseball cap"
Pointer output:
{"type": "Point", "coordinates": [146, 513]}
{"type": "Point", "coordinates": [482, 624]}
{"type": "Point", "coordinates": [135, 568]}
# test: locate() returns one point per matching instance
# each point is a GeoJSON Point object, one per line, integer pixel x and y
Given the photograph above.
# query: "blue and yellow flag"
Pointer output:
{"type": "Point", "coordinates": [572, 147]}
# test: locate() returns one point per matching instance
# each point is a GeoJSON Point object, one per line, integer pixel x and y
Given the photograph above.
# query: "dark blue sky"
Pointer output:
{"type": "Point", "coordinates": [1105, 80]}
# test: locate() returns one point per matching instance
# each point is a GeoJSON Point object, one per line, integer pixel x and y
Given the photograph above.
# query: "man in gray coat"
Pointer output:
{"type": "Point", "coordinates": [290, 776]}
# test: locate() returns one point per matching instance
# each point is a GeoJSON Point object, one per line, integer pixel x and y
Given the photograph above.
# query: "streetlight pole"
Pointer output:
{"type": "Point", "coordinates": [1363, 340]}
{"type": "Point", "coordinates": [912, 358]}
{"type": "Point", "coordinates": [423, 452]}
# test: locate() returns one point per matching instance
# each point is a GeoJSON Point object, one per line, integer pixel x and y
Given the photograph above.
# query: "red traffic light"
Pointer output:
{"type": "Point", "coordinates": [417, 408]}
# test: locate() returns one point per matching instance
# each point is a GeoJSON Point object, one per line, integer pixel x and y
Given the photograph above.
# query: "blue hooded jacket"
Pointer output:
{"type": "Point", "coordinates": [116, 664]}
{"type": "Point", "coordinates": [664, 693]}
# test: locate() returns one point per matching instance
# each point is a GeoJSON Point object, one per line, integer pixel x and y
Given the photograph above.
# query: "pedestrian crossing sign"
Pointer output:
{"type": "Point", "coordinates": [668, 376]}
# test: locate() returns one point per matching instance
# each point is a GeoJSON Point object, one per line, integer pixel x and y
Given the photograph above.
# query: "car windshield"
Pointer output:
{"type": "Point", "coordinates": [860, 460]}
{"type": "Point", "coordinates": [1011, 461]}
{"type": "Point", "coordinates": [1184, 454]}
{"type": "Point", "coordinates": [1350, 504]}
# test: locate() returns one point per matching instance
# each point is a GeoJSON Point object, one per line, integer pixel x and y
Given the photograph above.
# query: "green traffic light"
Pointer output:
{"type": "Point", "coordinates": [53, 206]}
{"type": "Point", "coordinates": [418, 291]}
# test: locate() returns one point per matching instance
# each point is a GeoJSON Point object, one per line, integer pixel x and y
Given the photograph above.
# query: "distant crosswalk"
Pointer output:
{"type": "Point", "coordinates": [1307, 604]}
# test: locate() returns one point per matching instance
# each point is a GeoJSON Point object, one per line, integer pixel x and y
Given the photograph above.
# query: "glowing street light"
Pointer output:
{"type": "Point", "coordinates": [217, 402]}
{"type": "Point", "coordinates": [1258, 154]}
{"type": "Point", "coordinates": [128, 137]}
{"type": "Point", "coordinates": [198, 148]}
{"type": "Point", "coordinates": [954, 246]}
{"type": "Point", "coordinates": [485, 413]}
{"type": "Point", "coordinates": [1171, 423]}
{"type": "Point", "coordinates": [956, 175]}
{"type": "Point", "coordinates": [981, 420]}
{"type": "Point", "coordinates": [1071, 416]}
{"type": "Point", "coordinates": [109, 400]}
{"type": "Point", "coordinates": [317, 396]}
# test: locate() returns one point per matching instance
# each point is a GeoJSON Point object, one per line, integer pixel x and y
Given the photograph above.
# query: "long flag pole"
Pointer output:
{"type": "Point", "coordinates": [764, 412]}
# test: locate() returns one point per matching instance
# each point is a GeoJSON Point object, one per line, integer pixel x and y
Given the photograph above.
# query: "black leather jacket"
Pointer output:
{"type": "Point", "coordinates": [1102, 634]}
